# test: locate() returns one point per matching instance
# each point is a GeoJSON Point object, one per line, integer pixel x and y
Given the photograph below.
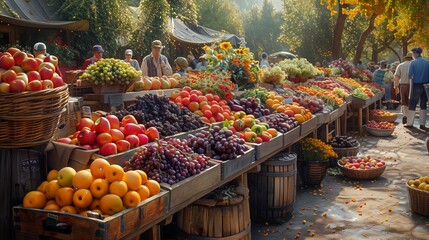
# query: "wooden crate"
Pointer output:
{"type": "Point", "coordinates": [322, 118]}
{"type": "Point", "coordinates": [291, 137]}
{"type": "Point", "coordinates": [334, 115]}
{"type": "Point", "coordinates": [360, 103]}
{"type": "Point", "coordinates": [348, 99]}
{"type": "Point", "coordinates": [266, 148]}
{"type": "Point", "coordinates": [308, 126]}
{"type": "Point", "coordinates": [186, 189]}
{"type": "Point", "coordinates": [342, 108]}
{"type": "Point", "coordinates": [36, 223]}
{"type": "Point", "coordinates": [230, 167]}
{"type": "Point", "coordinates": [184, 135]}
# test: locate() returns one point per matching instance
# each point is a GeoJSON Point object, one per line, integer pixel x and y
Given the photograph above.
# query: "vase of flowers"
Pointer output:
{"type": "Point", "coordinates": [313, 161]}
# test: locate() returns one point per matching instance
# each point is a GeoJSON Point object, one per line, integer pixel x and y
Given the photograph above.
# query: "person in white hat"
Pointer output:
{"type": "Point", "coordinates": [128, 59]}
{"type": "Point", "coordinates": [402, 84]}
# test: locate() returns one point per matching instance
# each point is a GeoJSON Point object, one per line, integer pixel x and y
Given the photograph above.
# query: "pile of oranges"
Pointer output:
{"type": "Point", "coordinates": [103, 188]}
{"type": "Point", "coordinates": [300, 113]}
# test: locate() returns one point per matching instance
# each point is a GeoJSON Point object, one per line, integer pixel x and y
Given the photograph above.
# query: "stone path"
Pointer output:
{"type": "Point", "coordinates": [373, 209]}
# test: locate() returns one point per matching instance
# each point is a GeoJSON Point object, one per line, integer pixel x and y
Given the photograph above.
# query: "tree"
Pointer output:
{"type": "Point", "coordinates": [220, 15]}
{"type": "Point", "coordinates": [186, 10]}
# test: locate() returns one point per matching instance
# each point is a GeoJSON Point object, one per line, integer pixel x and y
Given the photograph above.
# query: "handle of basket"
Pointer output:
{"type": "Point", "coordinates": [55, 226]}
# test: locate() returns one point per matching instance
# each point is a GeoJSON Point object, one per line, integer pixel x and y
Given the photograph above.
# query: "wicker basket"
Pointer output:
{"type": "Point", "coordinates": [30, 118]}
{"type": "Point", "coordinates": [392, 118]}
{"type": "Point", "coordinates": [379, 132]}
{"type": "Point", "coordinates": [361, 174]}
{"type": "Point", "coordinates": [419, 200]}
{"type": "Point", "coordinates": [344, 152]}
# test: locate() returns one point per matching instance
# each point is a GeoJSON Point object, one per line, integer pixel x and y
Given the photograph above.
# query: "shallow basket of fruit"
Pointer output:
{"type": "Point", "coordinates": [418, 193]}
{"type": "Point", "coordinates": [361, 167]}
{"type": "Point", "coordinates": [379, 132]}
{"type": "Point", "coordinates": [344, 147]}
{"type": "Point", "coordinates": [379, 115]}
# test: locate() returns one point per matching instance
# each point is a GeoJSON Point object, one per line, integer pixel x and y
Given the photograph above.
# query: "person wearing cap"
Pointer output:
{"type": "Point", "coordinates": [156, 64]}
{"type": "Point", "coordinates": [202, 63]}
{"type": "Point", "coordinates": [402, 84]}
{"type": "Point", "coordinates": [264, 60]}
{"type": "Point", "coordinates": [192, 61]}
{"type": "Point", "coordinates": [181, 65]}
{"type": "Point", "coordinates": [128, 59]}
{"type": "Point", "coordinates": [418, 75]}
{"type": "Point", "coordinates": [97, 52]}
{"type": "Point", "coordinates": [40, 49]}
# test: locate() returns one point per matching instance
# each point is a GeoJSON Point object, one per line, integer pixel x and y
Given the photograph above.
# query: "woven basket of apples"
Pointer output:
{"type": "Point", "coordinates": [418, 193]}
{"type": "Point", "coordinates": [380, 129]}
{"type": "Point", "coordinates": [379, 115]}
{"type": "Point", "coordinates": [361, 167]}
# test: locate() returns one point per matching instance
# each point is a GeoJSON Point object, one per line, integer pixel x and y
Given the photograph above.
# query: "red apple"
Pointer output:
{"type": "Point", "coordinates": [17, 86]}
{"type": "Point", "coordinates": [39, 61]}
{"type": "Point", "coordinates": [152, 133]}
{"type": "Point", "coordinates": [17, 69]}
{"type": "Point", "coordinates": [6, 62]}
{"type": "Point", "coordinates": [133, 140]}
{"type": "Point", "coordinates": [87, 147]}
{"type": "Point", "coordinates": [47, 84]}
{"type": "Point", "coordinates": [143, 128]}
{"type": "Point", "coordinates": [123, 145]}
{"type": "Point", "coordinates": [52, 59]}
{"type": "Point", "coordinates": [64, 140]}
{"type": "Point", "coordinates": [8, 76]}
{"type": "Point", "coordinates": [58, 81]}
{"type": "Point", "coordinates": [103, 138]}
{"type": "Point", "coordinates": [143, 138]}
{"type": "Point", "coordinates": [46, 73]}
{"type": "Point", "coordinates": [34, 85]}
{"type": "Point", "coordinates": [30, 64]}
{"type": "Point", "coordinates": [19, 57]}
{"type": "Point", "coordinates": [132, 129]}
{"type": "Point", "coordinates": [129, 119]}
{"type": "Point", "coordinates": [22, 76]}
{"type": "Point", "coordinates": [95, 146]}
{"type": "Point", "coordinates": [47, 65]}
{"type": "Point", "coordinates": [84, 122]}
{"type": "Point", "coordinates": [33, 75]}
{"type": "Point", "coordinates": [114, 121]}
{"type": "Point", "coordinates": [41, 56]}
{"type": "Point", "coordinates": [102, 125]}
{"type": "Point", "coordinates": [30, 55]}
{"type": "Point", "coordinates": [86, 137]}
{"type": "Point", "coordinates": [4, 87]}
{"type": "Point", "coordinates": [108, 149]}
{"type": "Point", "coordinates": [13, 50]}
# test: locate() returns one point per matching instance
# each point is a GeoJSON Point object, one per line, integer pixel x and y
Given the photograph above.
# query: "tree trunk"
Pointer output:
{"type": "Point", "coordinates": [338, 31]}
{"type": "Point", "coordinates": [363, 37]}
{"type": "Point", "coordinates": [374, 53]}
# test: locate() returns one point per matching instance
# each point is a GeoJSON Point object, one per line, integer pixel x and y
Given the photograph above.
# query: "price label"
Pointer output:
{"type": "Point", "coordinates": [86, 111]}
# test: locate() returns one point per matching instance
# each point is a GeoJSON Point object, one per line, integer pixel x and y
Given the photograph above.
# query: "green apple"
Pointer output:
{"type": "Point", "coordinates": [65, 177]}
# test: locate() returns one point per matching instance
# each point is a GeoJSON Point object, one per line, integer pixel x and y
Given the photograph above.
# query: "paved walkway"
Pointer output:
{"type": "Point", "coordinates": [374, 209]}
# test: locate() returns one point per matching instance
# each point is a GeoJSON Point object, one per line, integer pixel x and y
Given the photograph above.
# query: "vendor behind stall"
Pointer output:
{"type": "Point", "coordinates": [97, 52]}
{"type": "Point", "coordinates": [156, 64]}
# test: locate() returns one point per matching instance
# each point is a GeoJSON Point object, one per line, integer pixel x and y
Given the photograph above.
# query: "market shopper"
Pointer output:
{"type": "Point", "coordinates": [402, 84]}
{"type": "Point", "coordinates": [202, 64]}
{"type": "Point", "coordinates": [40, 49]}
{"type": "Point", "coordinates": [156, 64]}
{"type": "Point", "coordinates": [97, 52]}
{"type": "Point", "coordinates": [419, 75]}
{"type": "Point", "coordinates": [192, 62]}
{"type": "Point", "coordinates": [379, 74]}
{"type": "Point", "coordinates": [264, 60]}
{"type": "Point", "coordinates": [129, 59]}
{"type": "Point", "coordinates": [181, 65]}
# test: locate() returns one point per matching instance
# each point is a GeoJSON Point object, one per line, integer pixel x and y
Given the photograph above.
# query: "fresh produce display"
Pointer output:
{"type": "Point", "coordinates": [109, 71]}
{"type": "Point", "coordinates": [361, 163]}
{"type": "Point", "coordinates": [343, 142]}
{"type": "Point", "coordinates": [260, 93]}
{"type": "Point", "coordinates": [299, 67]}
{"type": "Point", "coordinates": [328, 96]}
{"type": "Point", "coordinates": [157, 111]}
{"type": "Point", "coordinates": [362, 93]}
{"type": "Point", "coordinates": [155, 83]}
{"type": "Point", "coordinates": [328, 84]}
{"type": "Point", "coordinates": [250, 129]}
{"type": "Point", "coordinates": [281, 122]}
{"type": "Point", "coordinates": [374, 87]}
{"type": "Point", "coordinates": [312, 103]}
{"type": "Point", "coordinates": [217, 83]}
{"type": "Point", "coordinates": [103, 189]}
{"type": "Point", "coordinates": [168, 161]}
{"type": "Point", "coordinates": [380, 125]}
{"type": "Point", "coordinates": [299, 113]}
{"type": "Point", "coordinates": [341, 92]}
{"type": "Point", "coordinates": [351, 83]}
{"type": "Point", "coordinates": [217, 143]}
{"type": "Point", "coordinates": [110, 135]}
{"type": "Point", "coordinates": [421, 183]}
{"type": "Point", "coordinates": [249, 105]}
{"type": "Point", "coordinates": [381, 112]}
{"type": "Point", "coordinates": [274, 75]}
{"type": "Point", "coordinates": [21, 71]}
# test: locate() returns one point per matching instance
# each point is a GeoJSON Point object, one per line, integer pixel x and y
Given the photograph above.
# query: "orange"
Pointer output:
{"type": "Point", "coordinates": [52, 201]}
{"type": "Point", "coordinates": [111, 204]}
{"type": "Point", "coordinates": [269, 102]}
{"type": "Point", "coordinates": [42, 187]}
{"type": "Point", "coordinates": [82, 198]}
{"type": "Point", "coordinates": [82, 179]}
{"type": "Point", "coordinates": [278, 97]}
{"type": "Point", "coordinates": [52, 175]}
{"type": "Point", "coordinates": [34, 199]}
{"type": "Point", "coordinates": [199, 113]}
{"type": "Point", "coordinates": [133, 180]}
{"type": "Point", "coordinates": [98, 167]}
{"type": "Point", "coordinates": [68, 209]}
{"type": "Point", "coordinates": [95, 204]}
{"type": "Point", "coordinates": [64, 196]}
{"type": "Point", "coordinates": [99, 188]}
{"type": "Point", "coordinates": [271, 95]}
{"type": "Point", "coordinates": [119, 188]}
{"type": "Point", "coordinates": [144, 192]}
{"type": "Point", "coordinates": [52, 207]}
{"type": "Point", "coordinates": [194, 106]}
{"type": "Point", "coordinates": [206, 108]}
{"type": "Point", "coordinates": [51, 188]}
{"type": "Point", "coordinates": [114, 173]}
{"type": "Point", "coordinates": [281, 109]}
{"type": "Point", "coordinates": [154, 187]}
{"type": "Point", "coordinates": [297, 110]}
{"type": "Point", "coordinates": [275, 105]}
{"type": "Point", "coordinates": [79, 210]}
{"type": "Point", "coordinates": [272, 131]}
{"type": "Point", "coordinates": [131, 199]}
{"type": "Point", "coordinates": [299, 118]}
{"type": "Point", "coordinates": [84, 213]}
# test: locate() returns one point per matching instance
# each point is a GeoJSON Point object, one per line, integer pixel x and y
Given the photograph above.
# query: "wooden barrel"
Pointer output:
{"type": "Point", "coordinates": [209, 219]}
{"type": "Point", "coordinates": [273, 189]}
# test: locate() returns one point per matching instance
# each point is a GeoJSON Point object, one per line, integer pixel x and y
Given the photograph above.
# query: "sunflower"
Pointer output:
{"type": "Point", "coordinates": [206, 48]}
{"type": "Point", "coordinates": [225, 45]}
{"type": "Point", "coordinates": [219, 56]}
{"type": "Point", "coordinates": [245, 50]}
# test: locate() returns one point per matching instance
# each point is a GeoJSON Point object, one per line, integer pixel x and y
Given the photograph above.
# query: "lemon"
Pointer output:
{"type": "Point", "coordinates": [422, 186]}
{"type": "Point", "coordinates": [411, 182]}
{"type": "Point", "coordinates": [417, 182]}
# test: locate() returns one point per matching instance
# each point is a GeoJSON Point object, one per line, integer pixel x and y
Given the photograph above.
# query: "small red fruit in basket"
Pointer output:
{"type": "Point", "coordinates": [129, 119]}
{"type": "Point", "coordinates": [30, 64]}
{"type": "Point", "coordinates": [123, 145]}
{"type": "Point", "coordinates": [57, 81]}
{"type": "Point", "coordinates": [116, 135]}
{"type": "Point", "coordinates": [52, 59]}
{"type": "Point", "coordinates": [102, 125]}
{"type": "Point", "coordinates": [108, 149]}
{"type": "Point", "coordinates": [19, 57]}
{"type": "Point", "coordinates": [152, 133]}
{"type": "Point", "coordinates": [143, 138]}
{"type": "Point", "coordinates": [8, 76]}
{"type": "Point", "coordinates": [33, 75]}
{"type": "Point", "coordinates": [132, 129]}
{"type": "Point", "coordinates": [86, 137]}
{"type": "Point", "coordinates": [133, 140]}
{"type": "Point", "coordinates": [22, 76]}
{"type": "Point", "coordinates": [4, 87]}
{"type": "Point", "coordinates": [84, 122]}
{"type": "Point", "coordinates": [47, 84]}
{"type": "Point", "coordinates": [104, 138]}
{"type": "Point", "coordinates": [17, 86]}
{"type": "Point", "coordinates": [114, 121]}
{"type": "Point", "coordinates": [35, 85]}
{"type": "Point", "coordinates": [64, 140]}
{"type": "Point", "coordinates": [6, 62]}
{"type": "Point", "coordinates": [46, 73]}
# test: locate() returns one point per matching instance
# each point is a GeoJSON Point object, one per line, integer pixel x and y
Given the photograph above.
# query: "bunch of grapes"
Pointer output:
{"type": "Point", "coordinates": [169, 162]}
{"type": "Point", "coordinates": [249, 105]}
{"type": "Point", "coordinates": [217, 144]}
{"type": "Point", "coordinates": [281, 122]}
{"type": "Point", "coordinates": [157, 111]}
{"type": "Point", "coordinates": [110, 71]}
